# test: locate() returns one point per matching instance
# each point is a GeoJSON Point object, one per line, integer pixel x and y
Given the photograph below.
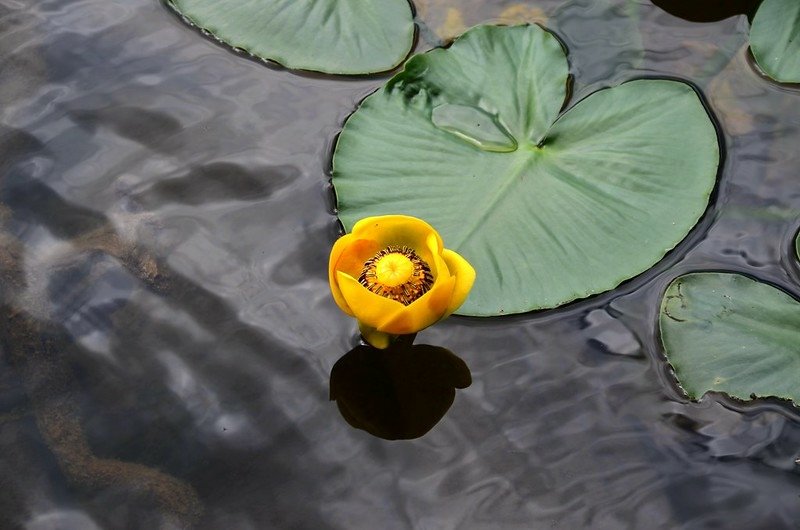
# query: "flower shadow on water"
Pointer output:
{"type": "Point", "coordinates": [398, 393]}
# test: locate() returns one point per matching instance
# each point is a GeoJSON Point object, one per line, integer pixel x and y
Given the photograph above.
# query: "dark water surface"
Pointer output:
{"type": "Point", "coordinates": [168, 333]}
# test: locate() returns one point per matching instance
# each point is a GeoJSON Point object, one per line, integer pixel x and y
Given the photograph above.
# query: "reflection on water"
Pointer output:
{"type": "Point", "coordinates": [167, 332]}
{"type": "Point", "coordinates": [708, 10]}
{"type": "Point", "coordinates": [399, 393]}
{"type": "Point", "coordinates": [37, 347]}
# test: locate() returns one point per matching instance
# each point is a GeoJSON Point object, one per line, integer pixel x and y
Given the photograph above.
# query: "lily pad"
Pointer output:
{"type": "Point", "coordinates": [797, 246]}
{"type": "Point", "coordinates": [728, 333]}
{"type": "Point", "coordinates": [775, 39]}
{"type": "Point", "coordinates": [332, 36]}
{"type": "Point", "coordinates": [548, 208]}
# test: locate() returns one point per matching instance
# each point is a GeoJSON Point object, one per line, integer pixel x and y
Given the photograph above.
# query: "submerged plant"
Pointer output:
{"type": "Point", "coordinates": [393, 274]}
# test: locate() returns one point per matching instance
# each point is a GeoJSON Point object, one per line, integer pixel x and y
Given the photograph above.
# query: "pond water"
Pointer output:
{"type": "Point", "coordinates": [168, 334]}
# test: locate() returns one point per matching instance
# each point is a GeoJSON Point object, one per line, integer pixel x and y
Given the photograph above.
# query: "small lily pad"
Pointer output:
{"type": "Point", "coordinates": [332, 36]}
{"type": "Point", "coordinates": [549, 207]}
{"type": "Point", "coordinates": [728, 333]}
{"type": "Point", "coordinates": [775, 39]}
{"type": "Point", "coordinates": [797, 246]}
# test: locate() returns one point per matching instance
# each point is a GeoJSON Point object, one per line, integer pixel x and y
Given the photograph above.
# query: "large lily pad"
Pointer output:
{"type": "Point", "coordinates": [547, 208]}
{"type": "Point", "coordinates": [333, 36]}
{"type": "Point", "coordinates": [775, 39]}
{"type": "Point", "coordinates": [728, 333]}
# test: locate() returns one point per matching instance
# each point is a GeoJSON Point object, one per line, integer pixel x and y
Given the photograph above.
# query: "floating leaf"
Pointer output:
{"type": "Point", "coordinates": [728, 333]}
{"type": "Point", "coordinates": [473, 125]}
{"type": "Point", "coordinates": [797, 246]}
{"type": "Point", "coordinates": [581, 203]}
{"type": "Point", "coordinates": [333, 36]}
{"type": "Point", "coordinates": [775, 39]}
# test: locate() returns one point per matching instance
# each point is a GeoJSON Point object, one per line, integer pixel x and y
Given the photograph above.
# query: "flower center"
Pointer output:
{"type": "Point", "coordinates": [393, 269]}
{"type": "Point", "coordinates": [397, 273]}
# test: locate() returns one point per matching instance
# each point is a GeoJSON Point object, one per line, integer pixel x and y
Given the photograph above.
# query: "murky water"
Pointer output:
{"type": "Point", "coordinates": [168, 335]}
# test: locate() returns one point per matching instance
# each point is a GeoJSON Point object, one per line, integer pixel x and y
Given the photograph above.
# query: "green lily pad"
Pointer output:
{"type": "Point", "coordinates": [332, 36]}
{"type": "Point", "coordinates": [797, 246]}
{"type": "Point", "coordinates": [548, 208]}
{"type": "Point", "coordinates": [775, 39]}
{"type": "Point", "coordinates": [728, 333]}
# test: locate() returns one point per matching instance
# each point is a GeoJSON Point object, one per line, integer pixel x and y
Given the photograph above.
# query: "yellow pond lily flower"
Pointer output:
{"type": "Point", "coordinates": [393, 274]}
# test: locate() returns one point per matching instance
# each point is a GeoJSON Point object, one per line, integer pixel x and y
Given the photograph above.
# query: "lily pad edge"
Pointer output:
{"type": "Point", "coordinates": [762, 45]}
{"type": "Point", "coordinates": [674, 370]}
{"type": "Point", "coordinates": [245, 51]}
{"type": "Point", "coordinates": [797, 245]}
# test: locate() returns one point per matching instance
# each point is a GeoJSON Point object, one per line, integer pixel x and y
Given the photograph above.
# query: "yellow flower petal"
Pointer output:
{"type": "Point", "coordinates": [435, 262]}
{"type": "Point", "coordinates": [422, 312]}
{"type": "Point", "coordinates": [369, 308]}
{"type": "Point", "coordinates": [348, 255]}
{"type": "Point", "coordinates": [380, 317]}
{"type": "Point", "coordinates": [399, 230]}
{"type": "Point", "coordinates": [355, 255]}
{"type": "Point", "coordinates": [338, 249]}
{"type": "Point", "coordinates": [465, 277]}
{"type": "Point", "coordinates": [374, 337]}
